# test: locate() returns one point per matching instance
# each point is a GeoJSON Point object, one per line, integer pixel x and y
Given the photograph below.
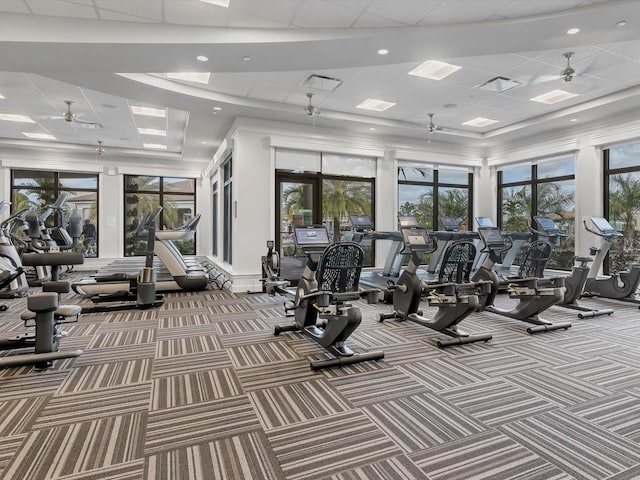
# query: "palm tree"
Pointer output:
{"type": "Point", "coordinates": [516, 209]}
{"type": "Point", "coordinates": [453, 202]}
{"type": "Point", "coordinates": [341, 198]}
{"type": "Point", "coordinates": [624, 204]}
{"type": "Point", "coordinates": [553, 200]}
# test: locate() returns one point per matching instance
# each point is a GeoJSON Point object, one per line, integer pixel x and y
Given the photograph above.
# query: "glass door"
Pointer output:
{"type": "Point", "coordinates": [298, 204]}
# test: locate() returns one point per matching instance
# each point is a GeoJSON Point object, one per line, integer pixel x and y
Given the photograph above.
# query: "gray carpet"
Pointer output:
{"type": "Point", "coordinates": [201, 389]}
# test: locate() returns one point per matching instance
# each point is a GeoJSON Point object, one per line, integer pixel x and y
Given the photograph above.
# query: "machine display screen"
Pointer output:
{"type": "Point", "coordinates": [407, 221]}
{"type": "Point", "coordinates": [415, 237]}
{"type": "Point", "coordinates": [312, 236]}
{"type": "Point", "coordinates": [450, 224]}
{"type": "Point", "coordinates": [602, 224]}
{"type": "Point", "coordinates": [361, 221]}
{"type": "Point", "coordinates": [546, 224]}
{"type": "Point", "coordinates": [491, 236]}
{"type": "Point", "coordinates": [484, 222]}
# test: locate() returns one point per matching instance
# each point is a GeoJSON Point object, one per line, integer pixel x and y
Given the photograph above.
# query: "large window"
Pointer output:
{"type": "Point", "coordinates": [145, 193]}
{"type": "Point", "coordinates": [35, 189]}
{"type": "Point", "coordinates": [227, 230]}
{"type": "Point", "coordinates": [546, 189]}
{"type": "Point", "coordinates": [430, 194]}
{"type": "Point", "coordinates": [214, 218]}
{"type": "Point", "coordinates": [622, 203]}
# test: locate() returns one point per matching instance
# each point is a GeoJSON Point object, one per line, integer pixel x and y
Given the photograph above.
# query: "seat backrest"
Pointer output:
{"type": "Point", "coordinates": [535, 260]}
{"type": "Point", "coordinates": [457, 262]}
{"type": "Point", "coordinates": [340, 267]}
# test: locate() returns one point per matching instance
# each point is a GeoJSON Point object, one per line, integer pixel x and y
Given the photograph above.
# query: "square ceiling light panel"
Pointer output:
{"type": "Point", "coordinates": [195, 77]}
{"type": "Point", "coordinates": [149, 111]}
{"type": "Point", "coordinates": [375, 105]}
{"type": "Point", "coordinates": [434, 69]}
{"type": "Point", "coordinates": [220, 3]}
{"type": "Point", "coordinates": [554, 96]}
{"type": "Point", "coordinates": [480, 122]}
{"type": "Point", "coordinates": [12, 117]}
{"type": "Point", "coordinates": [322, 82]}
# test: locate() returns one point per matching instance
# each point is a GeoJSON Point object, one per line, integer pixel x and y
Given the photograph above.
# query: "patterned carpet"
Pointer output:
{"type": "Point", "coordinates": [201, 389]}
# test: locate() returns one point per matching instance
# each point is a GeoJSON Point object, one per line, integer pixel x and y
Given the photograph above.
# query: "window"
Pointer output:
{"type": "Point", "coordinates": [622, 203]}
{"type": "Point", "coordinates": [429, 194]}
{"type": "Point", "coordinates": [145, 193]}
{"type": "Point", "coordinates": [546, 189]}
{"type": "Point", "coordinates": [214, 218]}
{"type": "Point", "coordinates": [227, 228]}
{"type": "Point", "coordinates": [35, 189]}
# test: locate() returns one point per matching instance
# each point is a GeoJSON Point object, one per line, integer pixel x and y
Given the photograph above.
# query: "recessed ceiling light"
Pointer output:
{"type": "Point", "coordinates": [480, 122]}
{"type": "Point", "coordinates": [246, 59]}
{"type": "Point", "coordinates": [383, 51]}
{"type": "Point", "coordinates": [434, 69]}
{"type": "Point", "coordinates": [11, 117]}
{"type": "Point", "coordinates": [204, 143]}
{"type": "Point", "coordinates": [573, 120]}
{"type": "Point", "coordinates": [220, 3]}
{"type": "Point", "coordinates": [553, 96]}
{"type": "Point", "coordinates": [573, 31]}
{"type": "Point", "coordinates": [39, 136]}
{"type": "Point", "coordinates": [152, 131]}
{"type": "Point", "coordinates": [195, 77]}
{"type": "Point", "coordinates": [1, 96]}
{"type": "Point", "coordinates": [157, 146]}
{"type": "Point", "coordinates": [621, 23]}
{"type": "Point", "coordinates": [109, 105]}
{"type": "Point", "coordinates": [149, 111]}
{"type": "Point", "coordinates": [217, 109]}
{"type": "Point", "coordinates": [376, 105]}
{"type": "Point", "coordinates": [372, 129]}
{"type": "Point", "coordinates": [450, 105]}
{"type": "Point", "coordinates": [202, 58]}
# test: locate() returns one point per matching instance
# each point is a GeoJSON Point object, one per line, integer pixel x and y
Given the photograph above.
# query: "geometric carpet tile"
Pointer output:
{"type": "Point", "coordinates": [555, 386]}
{"type": "Point", "coordinates": [17, 415]}
{"type": "Point", "coordinates": [202, 422]}
{"type": "Point", "coordinates": [377, 386]}
{"type": "Point", "coordinates": [97, 376]}
{"type": "Point", "coordinates": [499, 361]}
{"type": "Point", "coordinates": [315, 449]}
{"type": "Point", "coordinates": [497, 401]}
{"type": "Point", "coordinates": [297, 402]}
{"type": "Point", "coordinates": [442, 373]}
{"type": "Point", "coordinates": [183, 364]}
{"type": "Point", "coordinates": [29, 385]}
{"type": "Point", "coordinates": [422, 421]}
{"type": "Point", "coordinates": [123, 471]}
{"type": "Point", "coordinates": [619, 414]}
{"type": "Point", "coordinates": [488, 455]}
{"type": "Point", "coordinates": [195, 387]}
{"type": "Point", "coordinates": [245, 456]}
{"type": "Point", "coordinates": [604, 373]}
{"type": "Point", "coordinates": [578, 447]}
{"type": "Point", "coordinates": [399, 467]}
{"type": "Point", "coordinates": [78, 447]}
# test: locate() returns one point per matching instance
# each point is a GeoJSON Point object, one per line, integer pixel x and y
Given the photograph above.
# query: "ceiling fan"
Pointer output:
{"type": "Point", "coordinates": [432, 127]}
{"type": "Point", "coordinates": [310, 109]}
{"type": "Point", "coordinates": [70, 117]}
{"type": "Point", "coordinates": [568, 73]}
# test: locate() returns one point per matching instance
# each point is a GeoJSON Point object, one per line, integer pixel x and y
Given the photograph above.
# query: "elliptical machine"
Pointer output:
{"type": "Point", "coordinates": [534, 294]}
{"type": "Point", "coordinates": [574, 283]}
{"type": "Point", "coordinates": [10, 262]}
{"type": "Point", "coordinates": [454, 295]}
{"type": "Point", "coordinates": [619, 285]}
{"type": "Point", "coordinates": [321, 311]}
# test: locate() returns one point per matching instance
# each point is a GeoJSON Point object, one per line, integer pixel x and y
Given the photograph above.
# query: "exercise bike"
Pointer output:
{"type": "Point", "coordinates": [534, 294]}
{"type": "Point", "coordinates": [619, 285]}
{"type": "Point", "coordinates": [329, 281]}
{"type": "Point", "coordinates": [574, 284]}
{"type": "Point", "coordinates": [454, 295]}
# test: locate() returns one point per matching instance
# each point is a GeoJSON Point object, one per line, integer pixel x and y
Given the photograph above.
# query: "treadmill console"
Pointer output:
{"type": "Point", "coordinates": [492, 237]}
{"type": "Point", "coordinates": [450, 224]}
{"type": "Point", "coordinates": [416, 238]}
{"type": "Point", "coordinates": [484, 222]}
{"type": "Point", "coordinates": [361, 222]}
{"type": "Point", "coordinates": [407, 221]}
{"type": "Point", "coordinates": [603, 226]}
{"type": "Point", "coordinates": [311, 237]}
{"type": "Point", "coordinates": [546, 224]}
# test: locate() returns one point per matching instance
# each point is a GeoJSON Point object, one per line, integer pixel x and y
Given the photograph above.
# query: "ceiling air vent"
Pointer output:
{"type": "Point", "coordinates": [499, 84]}
{"type": "Point", "coordinates": [320, 82]}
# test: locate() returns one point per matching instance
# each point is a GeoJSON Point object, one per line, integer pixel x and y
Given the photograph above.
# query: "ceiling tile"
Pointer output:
{"type": "Point", "coordinates": [402, 11]}
{"type": "Point", "coordinates": [61, 8]}
{"type": "Point", "coordinates": [143, 10]}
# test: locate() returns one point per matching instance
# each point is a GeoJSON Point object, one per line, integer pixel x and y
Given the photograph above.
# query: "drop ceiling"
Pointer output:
{"type": "Point", "coordinates": [107, 55]}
